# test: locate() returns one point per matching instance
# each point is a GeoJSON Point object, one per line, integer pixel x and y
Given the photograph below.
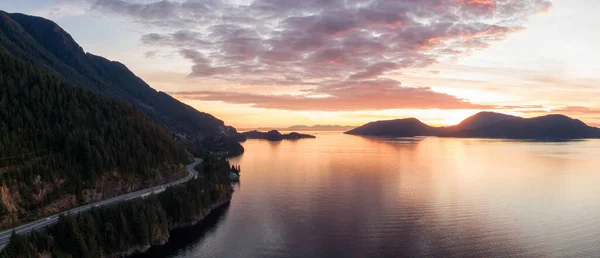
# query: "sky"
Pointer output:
{"type": "Point", "coordinates": [277, 63]}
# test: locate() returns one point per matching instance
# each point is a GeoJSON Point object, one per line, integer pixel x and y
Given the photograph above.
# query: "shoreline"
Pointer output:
{"type": "Point", "coordinates": [135, 250]}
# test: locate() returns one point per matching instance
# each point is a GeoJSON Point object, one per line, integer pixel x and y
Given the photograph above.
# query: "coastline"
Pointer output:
{"type": "Point", "coordinates": [204, 214]}
{"type": "Point", "coordinates": [226, 198]}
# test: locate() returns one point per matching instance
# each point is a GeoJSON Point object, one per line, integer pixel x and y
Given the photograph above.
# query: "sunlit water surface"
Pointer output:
{"type": "Point", "coordinates": [349, 196]}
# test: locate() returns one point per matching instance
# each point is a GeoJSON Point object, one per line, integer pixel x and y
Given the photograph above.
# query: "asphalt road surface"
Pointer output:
{"type": "Point", "coordinates": [43, 222]}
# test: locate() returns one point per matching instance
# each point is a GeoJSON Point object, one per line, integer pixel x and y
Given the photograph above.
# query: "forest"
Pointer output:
{"type": "Point", "coordinates": [132, 225]}
{"type": "Point", "coordinates": [62, 146]}
{"type": "Point", "coordinates": [46, 45]}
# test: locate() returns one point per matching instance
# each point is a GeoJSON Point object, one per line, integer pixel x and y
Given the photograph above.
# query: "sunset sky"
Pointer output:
{"type": "Point", "coordinates": [276, 63]}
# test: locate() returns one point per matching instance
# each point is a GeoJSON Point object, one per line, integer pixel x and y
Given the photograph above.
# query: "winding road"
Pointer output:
{"type": "Point", "coordinates": [43, 222]}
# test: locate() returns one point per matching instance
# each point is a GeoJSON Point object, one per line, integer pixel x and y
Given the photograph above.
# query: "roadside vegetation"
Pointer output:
{"type": "Point", "coordinates": [130, 226]}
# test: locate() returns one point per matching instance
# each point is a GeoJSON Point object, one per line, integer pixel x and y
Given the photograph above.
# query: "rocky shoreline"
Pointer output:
{"type": "Point", "coordinates": [204, 214]}
{"type": "Point", "coordinates": [226, 198]}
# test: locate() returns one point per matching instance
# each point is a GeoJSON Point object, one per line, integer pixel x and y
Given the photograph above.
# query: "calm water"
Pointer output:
{"type": "Point", "coordinates": [348, 196]}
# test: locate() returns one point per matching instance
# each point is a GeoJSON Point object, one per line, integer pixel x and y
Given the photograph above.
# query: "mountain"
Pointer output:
{"type": "Point", "coordinates": [486, 125]}
{"type": "Point", "coordinates": [543, 127]}
{"type": "Point", "coordinates": [62, 146]}
{"type": "Point", "coordinates": [407, 127]}
{"type": "Point", "coordinates": [319, 127]}
{"type": "Point", "coordinates": [47, 45]}
{"type": "Point", "coordinates": [482, 119]}
{"type": "Point", "coordinates": [275, 135]}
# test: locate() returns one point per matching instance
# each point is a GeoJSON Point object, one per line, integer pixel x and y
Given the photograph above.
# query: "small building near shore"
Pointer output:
{"type": "Point", "coordinates": [234, 176]}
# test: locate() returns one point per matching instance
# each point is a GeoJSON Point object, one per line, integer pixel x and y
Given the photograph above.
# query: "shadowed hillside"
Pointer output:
{"type": "Point", "coordinates": [486, 125]}
{"type": "Point", "coordinates": [47, 45]}
{"type": "Point", "coordinates": [407, 127]}
{"type": "Point", "coordinates": [61, 146]}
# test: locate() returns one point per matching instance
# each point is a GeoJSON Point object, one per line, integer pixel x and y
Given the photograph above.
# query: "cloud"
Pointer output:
{"type": "Point", "coordinates": [577, 110]}
{"type": "Point", "coordinates": [377, 94]}
{"type": "Point", "coordinates": [322, 42]}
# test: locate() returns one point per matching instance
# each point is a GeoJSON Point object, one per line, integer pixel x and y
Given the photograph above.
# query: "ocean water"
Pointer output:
{"type": "Point", "coordinates": [349, 196]}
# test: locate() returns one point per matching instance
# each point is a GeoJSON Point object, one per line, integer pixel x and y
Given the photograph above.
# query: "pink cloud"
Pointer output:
{"type": "Point", "coordinates": [324, 41]}
{"type": "Point", "coordinates": [355, 95]}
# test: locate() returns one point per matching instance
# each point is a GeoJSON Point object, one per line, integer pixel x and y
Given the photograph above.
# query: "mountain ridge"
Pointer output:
{"type": "Point", "coordinates": [486, 125]}
{"type": "Point", "coordinates": [46, 44]}
{"type": "Point", "coordinates": [63, 145]}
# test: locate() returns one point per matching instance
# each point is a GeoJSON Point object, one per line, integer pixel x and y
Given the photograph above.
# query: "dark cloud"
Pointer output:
{"type": "Point", "coordinates": [202, 65]}
{"type": "Point", "coordinates": [150, 54]}
{"type": "Point", "coordinates": [180, 39]}
{"type": "Point", "coordinates": [317, 41]}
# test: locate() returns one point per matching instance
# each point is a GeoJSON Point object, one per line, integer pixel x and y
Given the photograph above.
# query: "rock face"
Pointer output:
{"type": "Point", "coordinates": [275, 135]}
{"type": "Point", "coordinates": [486, 125]}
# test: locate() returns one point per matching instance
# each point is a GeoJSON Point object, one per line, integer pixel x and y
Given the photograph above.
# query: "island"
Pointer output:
{"type": "Point", "coordinates": [486, 125]}
{"type": "Point", "coordinates": [320, 127]}
{"type": "Point", "coordinates": [275, 135]}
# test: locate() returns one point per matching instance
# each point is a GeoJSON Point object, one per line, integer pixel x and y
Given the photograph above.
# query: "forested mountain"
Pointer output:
{"type": "Point", "coordinates": [61, 146]}
{"type": "Point", "coordinates": [543, 127]}
{"type": "Point", "coordinates": [407, 127]}
{"type": "Point", "coordinates": [486, 125]}
{"type": "Point", "coordinates": [482, 119]}
{"type": "Point", "coordinates": [47, 45]}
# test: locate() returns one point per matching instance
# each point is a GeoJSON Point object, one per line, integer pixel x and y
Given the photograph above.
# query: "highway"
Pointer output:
{"type": "Point", "coordinates": [43, 222]}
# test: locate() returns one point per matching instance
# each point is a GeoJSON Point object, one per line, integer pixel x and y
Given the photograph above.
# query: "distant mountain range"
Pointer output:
{"type": "Point", "coordinates": [275, 135]}
{"type": "Point", "coordinates": [320, 127]}
{"type": "Point", "coordinates": [485, 125]}
{"type": "Point", "coordinates": [45, 44]}
{"type": "Point", "coordinates": [307, 128]}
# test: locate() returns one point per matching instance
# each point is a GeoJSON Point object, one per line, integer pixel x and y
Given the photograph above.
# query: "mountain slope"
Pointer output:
{"type": "Point", "coordinates": [482, 119]}
{"type": "Point", "coordinates": [550, 126]}
{"type": "Point", "coordinates": [407, 127]}
{"type": "Point", "coordinates": [46, 44]}
{"type": "Point", "coordinates": [486, 125]}
{"type": "Point", "coordinates": [61, 146]}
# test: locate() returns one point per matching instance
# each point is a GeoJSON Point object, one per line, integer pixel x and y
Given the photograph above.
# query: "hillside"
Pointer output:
{"type": "Point", "coordinates": [61, 146]}
{"type": "Point", "coordinates": [47, 45]}
{"type": "Point", "coordinates": [407, 127]}
{"type": "Point", "coordinates": [543, 127]}
{"type": "Point", "coordinates": [486, 125]}
{"type": "Point", "coordinates": [482, 119]}
{"type": "Point", "coordinates": [135, 225]}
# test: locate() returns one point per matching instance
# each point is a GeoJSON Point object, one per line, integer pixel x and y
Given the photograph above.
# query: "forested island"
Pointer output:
{"type": "Point", "coordinates": [275, 135]}
{"type": "Point", "coordinates": [486, 125]}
